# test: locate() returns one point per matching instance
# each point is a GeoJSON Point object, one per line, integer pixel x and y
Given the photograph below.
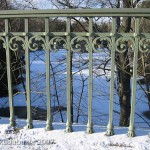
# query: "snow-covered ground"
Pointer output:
{"type": "Point", "coordinates": [58, 139]}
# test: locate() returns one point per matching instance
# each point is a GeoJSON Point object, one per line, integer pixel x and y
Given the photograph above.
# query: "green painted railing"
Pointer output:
{"type": "Point", "coordinates": [49, 42]}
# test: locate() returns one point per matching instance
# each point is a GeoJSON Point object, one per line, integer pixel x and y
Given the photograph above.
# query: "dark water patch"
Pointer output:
{"type": "Point", "coordinates": [147, 114]}
{"type": "Point", "coordinates": [37, 113]}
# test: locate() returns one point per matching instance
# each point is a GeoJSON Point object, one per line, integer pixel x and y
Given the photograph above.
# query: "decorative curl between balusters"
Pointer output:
{"type": "Point", "coordinates": [57, 43]}
{"type": "Point", "coordinates": [16, 43]}
{"type": "Point", "coordinates": [123, 43]}
{"type": "Point", "coordinates": [144, 45]}
{"type": "Point", "coordinates": [37, 42]}
{"type": "Point", "coordinates": [79, 43]}
{"type": "Point", "coordinates": [101, 43]}
{"type": "Point", "coordinates": [3, 42]}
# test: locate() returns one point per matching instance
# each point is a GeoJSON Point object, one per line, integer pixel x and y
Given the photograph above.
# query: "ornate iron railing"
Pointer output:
{"type": "Point", "coordinates": [29, 41]}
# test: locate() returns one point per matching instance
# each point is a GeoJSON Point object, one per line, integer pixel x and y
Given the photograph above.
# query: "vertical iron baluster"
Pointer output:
{"type": "Point", "coordinates": [131, 132]}
{"type": "Point", "coordinates": [28, 88]}
{"type": "Point", "coordinates": [110, 130]}
{"type": "Point", "coordinates": [9, 75]}
{"type": "Point", "coordinates": [49, 117]}
{"type": "Point", "coordinates": [69, 82]}
{"type": "Point", "coordinates": [90, 86]}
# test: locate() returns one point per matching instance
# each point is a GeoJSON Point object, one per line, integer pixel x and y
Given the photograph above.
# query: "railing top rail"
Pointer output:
{"type": "Point", "coordinates": [106, 12]}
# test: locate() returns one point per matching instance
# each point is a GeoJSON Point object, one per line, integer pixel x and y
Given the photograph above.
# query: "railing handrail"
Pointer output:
{"type": "Point", "coordinates": [105, 12]}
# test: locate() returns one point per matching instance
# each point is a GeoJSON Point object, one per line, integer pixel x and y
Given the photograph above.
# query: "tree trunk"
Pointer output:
{"type": "Point", "coordinates": [124, 91]}
{"type": "Point", "coordinates": [123, 69]}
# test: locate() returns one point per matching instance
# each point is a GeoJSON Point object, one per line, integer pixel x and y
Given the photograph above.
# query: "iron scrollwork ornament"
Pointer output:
{"type": "Point", "coordinates": [101, 43]}
{"type": "Point", "coordinates": [37, 42]}
{"type": "Point", "coordinates": [2, 42]}
{"type": "Point", "coordinates": [79, 44]}
{"type": "Point", "coordinates": [123, 43]}
{"type": "Point", "coordinates": [16, 43]}
{"type": "Point", "coordinates": [57, 43]}
{"type": "Point", "coordinates": [144, 44]}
